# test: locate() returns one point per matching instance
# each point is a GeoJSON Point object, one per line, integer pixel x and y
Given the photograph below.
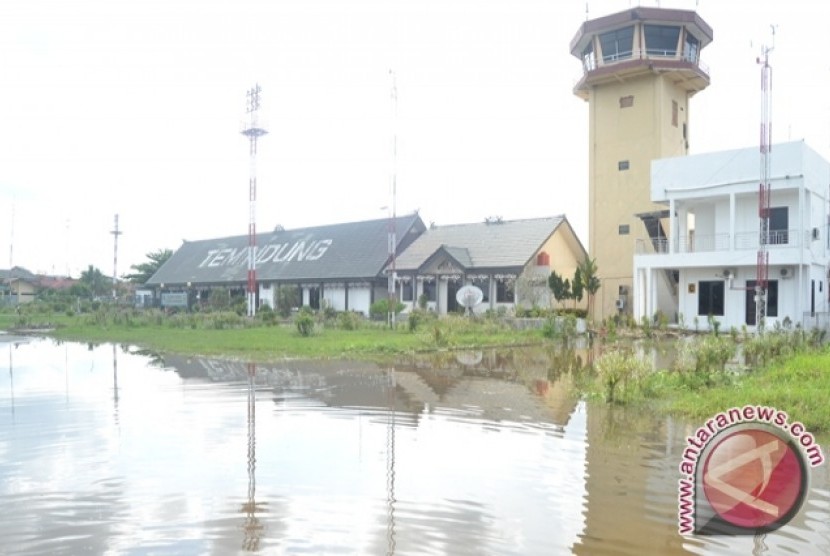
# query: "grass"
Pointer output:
{"type": "Point", "coordinates": [798, 385]}
{"type": "Point", "coordinates": [229, 335]}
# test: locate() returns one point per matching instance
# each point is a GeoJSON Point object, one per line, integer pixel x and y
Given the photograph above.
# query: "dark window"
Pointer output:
{"type": "Point", "coordinates": [778, 225]}
{"type": "Point", "coordinates": [622, 165]}
{"type": "Point", "coordinates": [661, 40]}
{"type": "Point", "coordinates": [623, 229]}
{"type": "Point", "coordinates": [429, 290]}
{"type": "Point", "coordinates": [691, 48]}
{"type": "Point", "coordinates": [772, 300]}
{"type": "Point", "coordinates": [710, 298]}
{"type": "Point", "coordinates": [484, 285]}
{"type": "Point", "coordinates": [504, 292]}
{"type": "Point", "coordinates": [617, 45]}
{"type": "Point", "coordinates": [627, 102]}
{"type": "Point", "coordinates": [674, 113]}
{"type": "Point", "coordinates": [406, 291]}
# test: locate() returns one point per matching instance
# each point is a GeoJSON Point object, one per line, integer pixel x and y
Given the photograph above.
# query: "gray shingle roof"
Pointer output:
{"type": "Point", "coordinates": [490, 245]}
{"type": "Point", "coordinates": [349, 251]}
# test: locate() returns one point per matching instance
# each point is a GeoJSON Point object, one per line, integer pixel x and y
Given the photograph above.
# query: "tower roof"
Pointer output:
{"type": "Point", "coordinates": [658, 16]}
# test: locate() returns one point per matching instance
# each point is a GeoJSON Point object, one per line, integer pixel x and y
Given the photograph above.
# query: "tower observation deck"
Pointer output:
{"type": "Point", "coordinates": [643, 41]}
{"type": "Point", "coordinates": [640, 68]}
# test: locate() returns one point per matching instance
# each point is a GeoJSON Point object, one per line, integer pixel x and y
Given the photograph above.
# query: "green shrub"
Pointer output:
{"type": "Point", "coordinates": [304, 321]}
{"type": "Point", "coordinates": [349, 320]}
{"type": "Point", "coordinates": [619, 368]}
{"type": "Point", "coordinates": [266, 315]}
{"type": "Point", "coordinates": [380, 308]}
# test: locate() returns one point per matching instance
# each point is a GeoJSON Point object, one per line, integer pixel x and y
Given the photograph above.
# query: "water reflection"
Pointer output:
{"type": "Point", "coordinates": [108, 450]}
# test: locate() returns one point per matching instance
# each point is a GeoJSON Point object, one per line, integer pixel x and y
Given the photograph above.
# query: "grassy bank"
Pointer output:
{"type": "Point", "coordinates": [785, 369]}
{"type": "Point", "coordinates": [799, 385]}
{"type": "Point", "coordinates": [226, 334]}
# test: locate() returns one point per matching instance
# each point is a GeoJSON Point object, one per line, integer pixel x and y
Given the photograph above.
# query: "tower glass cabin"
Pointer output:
{"type": "Point", "coordinates": [640, 68]}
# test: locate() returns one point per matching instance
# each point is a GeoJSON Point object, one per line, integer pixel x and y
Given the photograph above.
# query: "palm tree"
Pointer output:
{"type": "Point", "coordinates": [145, 271]}
{"type": "Point", "coordinates": [588, 273]}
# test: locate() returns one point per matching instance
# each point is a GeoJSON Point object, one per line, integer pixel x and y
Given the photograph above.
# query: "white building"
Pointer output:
{"type": "Point", "coordinates": [702, 257]}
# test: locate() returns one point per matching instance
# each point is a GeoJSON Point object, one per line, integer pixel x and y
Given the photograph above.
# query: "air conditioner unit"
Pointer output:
{"type": "Point", "coordinates": [728, 273]}
{"type": "Point", "coordinates": [786, 272]}
{"type": "Point", "coordinates": [620, 303]}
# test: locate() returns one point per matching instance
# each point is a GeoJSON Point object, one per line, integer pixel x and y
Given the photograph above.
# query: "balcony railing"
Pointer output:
{"type": "Point", "coordinates": [721, 242]}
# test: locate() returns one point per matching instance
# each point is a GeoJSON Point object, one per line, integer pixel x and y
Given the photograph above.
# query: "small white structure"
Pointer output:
{"type": "Point", "coordinates": [701, 260]}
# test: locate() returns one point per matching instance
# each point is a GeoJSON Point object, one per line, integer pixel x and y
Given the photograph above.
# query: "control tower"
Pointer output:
{"type": "Point", "coordinates": [640, 68]}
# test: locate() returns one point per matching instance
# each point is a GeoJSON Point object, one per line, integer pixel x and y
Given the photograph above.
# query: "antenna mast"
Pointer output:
{"type": "Point", "coordinates": [393, 240]}
{"type": "Point", "coordinates": [762, 266]}
{"type": "Point", "coordinates": [252, 131]}
{"type": "Point", "coordinates": [115, 232]}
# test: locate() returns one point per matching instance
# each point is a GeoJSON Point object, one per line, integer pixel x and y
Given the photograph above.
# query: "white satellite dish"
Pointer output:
{"type": "Point", "coordinates": [469, 296]}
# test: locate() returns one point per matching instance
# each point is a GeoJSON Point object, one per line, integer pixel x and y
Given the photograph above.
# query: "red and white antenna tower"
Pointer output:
{"type": "Point", "coordinates": [252, 130]}
{"type": "Point", "coordinates": [762, 266]}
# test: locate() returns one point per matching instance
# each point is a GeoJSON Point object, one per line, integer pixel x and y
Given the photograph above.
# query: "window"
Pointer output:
{"type": "Point", "coordinates": [484, 285]}
{"type": "Point", "coordinates": [406, 291]}
{"type": "Point", "coordinates": [710, 298]}
{"type": "Point", "coordinates": [429, 290]}
{"type": "Point", "coordinates": [661, 40]}
{"type": "Point", "coordinates": [627, 102]}
{"type": "Point", "coordinates": [617, 45]}
{"type": "Point", "coordinates": [504, 292]}
{"type": "Point", "coordinates": [778, 226]}
{"type": "Point", "coordinates": [543, 259]}
{"type": "Point", "coordinates": [589, 61]}
{"type": "Point", "coordinates": [674, 113]}
{"type": "Point", "coordinates": [623, 230]}
{"type": "Point", "coordinates": [622, 165]}
{"type": "Point", "coordinates": [691, 48]}
{"type": "Point", "coordinates": [771, 299]}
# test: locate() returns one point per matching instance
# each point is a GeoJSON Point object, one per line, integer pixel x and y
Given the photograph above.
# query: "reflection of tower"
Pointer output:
{"type": "Point", "coordinates": [390, 464]}
{"type": "Point", "coordinates": [252, 130]}
{"type": "Point", "coordinates": [641, 66]}
{"type": "Point", "coordinates": [11, 375]}
{"type": "Point", "coordinates": [115, 380]}
{"type": "Point", "coordinates": [253, 529]}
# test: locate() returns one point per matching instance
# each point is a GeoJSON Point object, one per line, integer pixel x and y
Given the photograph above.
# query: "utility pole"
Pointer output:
{"type": "Point", "coordinates": [253, 131]}
{"type": "Point", "coordinates": [393, 239]}
{"type": "Point", "coordinates": [115, 232]}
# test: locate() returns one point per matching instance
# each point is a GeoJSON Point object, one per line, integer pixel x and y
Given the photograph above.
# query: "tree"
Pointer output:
{"type": "Point", "coordinates": [561, 288]}
{"type": "Point", "coordinates": [577, 286]}
{"type": "Point", "coordinates": [92, 283]}
{"type": "Point", "coordinates": [144, 271]}
{"type": "Point", "coordinates": [590, 281]}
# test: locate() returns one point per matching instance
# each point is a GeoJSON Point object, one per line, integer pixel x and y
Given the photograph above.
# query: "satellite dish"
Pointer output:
{"type": "Point", "coordinates": [469, 296]}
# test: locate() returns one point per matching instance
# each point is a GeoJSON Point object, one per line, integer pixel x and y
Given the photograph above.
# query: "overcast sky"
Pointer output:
{"type": "Point", "coordinates": [134, 108]}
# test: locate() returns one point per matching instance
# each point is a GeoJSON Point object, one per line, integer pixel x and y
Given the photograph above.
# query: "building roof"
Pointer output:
{"type": "Point", "coordinates": [18, 273]}
{"type": "Point", "coordinates": [347, 251]}
{"type": "Point", "coordinates": [792, 164]}
{"type": "Point", "coordinates": [482, 245]}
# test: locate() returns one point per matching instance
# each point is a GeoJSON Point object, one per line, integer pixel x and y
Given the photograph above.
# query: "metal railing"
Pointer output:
{"type": "Point", "coordinates": [590, 61]}
{"type": "Point", "coordinates": [721, 242]}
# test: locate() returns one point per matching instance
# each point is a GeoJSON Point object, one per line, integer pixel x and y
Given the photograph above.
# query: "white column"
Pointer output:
{"type": "Point", "coordinates": [672, 228]}
{"type": "Point", "coordinates": [732, 221]}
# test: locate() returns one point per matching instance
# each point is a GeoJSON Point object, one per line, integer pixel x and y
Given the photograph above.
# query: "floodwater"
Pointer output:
{"type": "Point", "coordinates": [108, 450]}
